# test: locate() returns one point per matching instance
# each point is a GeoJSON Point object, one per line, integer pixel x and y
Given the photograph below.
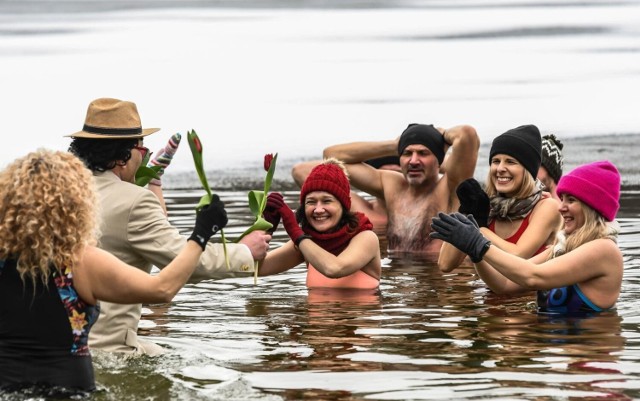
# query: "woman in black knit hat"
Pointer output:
{"type": "Point", "coordinates": [515, 213]}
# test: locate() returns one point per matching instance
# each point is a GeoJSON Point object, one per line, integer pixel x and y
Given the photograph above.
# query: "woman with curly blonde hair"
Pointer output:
{"type": "Point", "coordinates": [52, 274]}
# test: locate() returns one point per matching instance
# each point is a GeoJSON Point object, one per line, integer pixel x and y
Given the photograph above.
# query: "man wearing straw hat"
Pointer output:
{"type": "Point", "coordinates": [134, 227]}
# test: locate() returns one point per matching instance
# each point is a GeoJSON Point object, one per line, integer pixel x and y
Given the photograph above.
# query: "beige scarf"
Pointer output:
{"type": "Point", "coordinates": [504, 208]}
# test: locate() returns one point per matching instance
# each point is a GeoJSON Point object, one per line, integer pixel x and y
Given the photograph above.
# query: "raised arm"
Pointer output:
{"type": "Point", "coordinates": [102, 276]}
{"type": "Point", "coordinates": [361, 175]}
{"type": "Point", "coordinates": [463, 155]}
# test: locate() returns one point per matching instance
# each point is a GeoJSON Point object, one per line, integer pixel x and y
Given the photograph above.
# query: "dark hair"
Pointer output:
{"type": "Point", "coordinates": [348, 217]}
{"type": "Point", "coordinates": [102, 154]}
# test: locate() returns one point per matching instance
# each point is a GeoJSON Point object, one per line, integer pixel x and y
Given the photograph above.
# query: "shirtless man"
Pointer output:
{"type": "Point", "coordinates": [420, 192]}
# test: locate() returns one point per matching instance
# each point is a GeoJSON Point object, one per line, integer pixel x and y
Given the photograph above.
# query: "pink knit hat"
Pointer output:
{"type": "Point", "coordinates": [596, 184]}
{"type": "Point", "coordinates": [328, 177]}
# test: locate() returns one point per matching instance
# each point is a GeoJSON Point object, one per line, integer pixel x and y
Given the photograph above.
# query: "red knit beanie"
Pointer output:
{"type": "Point", "coordinates": [595, 184]}
{"type": "Point", "coordinates": [328, 177]}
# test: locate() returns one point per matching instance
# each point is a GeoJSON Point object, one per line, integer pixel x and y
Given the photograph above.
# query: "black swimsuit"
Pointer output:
{"type": "Point", "coordinates": [44, 332]}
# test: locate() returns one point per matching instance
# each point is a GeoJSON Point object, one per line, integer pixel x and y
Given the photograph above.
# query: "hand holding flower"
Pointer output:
{"type": "Point", "coordinates": [272, 210]}
{"type": "Point", "coordinates": [196, 150]}
{"type": "Point", "coordinates": [291, 225]}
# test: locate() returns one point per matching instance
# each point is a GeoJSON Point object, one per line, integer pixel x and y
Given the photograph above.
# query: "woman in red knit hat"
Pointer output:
{"type": "Point", "coordinates": [338, 246]}
{"type": "Point", "coordinates": [582, 272]}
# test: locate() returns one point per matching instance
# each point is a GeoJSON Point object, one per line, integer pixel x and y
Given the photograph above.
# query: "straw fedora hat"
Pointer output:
{"type": "Point", "coordinates": [112, 119]}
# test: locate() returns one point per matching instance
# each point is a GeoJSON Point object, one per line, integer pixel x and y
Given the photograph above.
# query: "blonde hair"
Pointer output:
{"type": "Point", "coordinates": [527, 187]}
{"type": "Point", "coordinates": [594, 227]}
{"type": "Point", "coordinates": [47, 212]}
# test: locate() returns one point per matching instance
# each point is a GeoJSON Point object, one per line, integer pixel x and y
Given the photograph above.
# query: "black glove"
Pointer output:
{"type": "Point", "coordinates": [272, 210]}
{"type": "Point", "coordinates": [474, 200]}
{"type": "Point", "coordinates": [461, 232]}
{"type": "Point", "coordinates": [209, 220]}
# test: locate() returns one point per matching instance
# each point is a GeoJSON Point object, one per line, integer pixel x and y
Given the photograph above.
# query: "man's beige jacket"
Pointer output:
{"type": "Point", "coordinates": [135, 229]}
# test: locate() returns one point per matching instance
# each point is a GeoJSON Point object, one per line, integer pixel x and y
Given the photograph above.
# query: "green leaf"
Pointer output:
{"type": "Point", "coordinates": [145, 174]}
{"type": "Point", "coordinates": [204, 201]}
{"type": "Point", "coordinates": [255, 201]}
{"type": "Point", "coordinates": [259, 224]}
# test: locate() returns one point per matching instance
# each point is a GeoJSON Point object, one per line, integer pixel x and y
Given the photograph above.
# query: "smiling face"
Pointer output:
{"type": "Point", "coordinates": [571, 209]}
{"type": "Point", "coordinates": [322, 210]}
{"type": "Point", "coordinates": [418, 164]}
{"type": "Point", "coordinates": [507, 174]}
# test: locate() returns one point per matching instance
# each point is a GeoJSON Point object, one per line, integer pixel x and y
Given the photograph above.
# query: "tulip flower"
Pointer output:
{"type": "Point", "coordinates": [196, 150]}
{"type": "Point", "coordinates": [258, 201]}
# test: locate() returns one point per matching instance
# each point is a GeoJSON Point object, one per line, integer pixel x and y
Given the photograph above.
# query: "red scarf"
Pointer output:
{"type": "Point", "coordinates": [336, 241]}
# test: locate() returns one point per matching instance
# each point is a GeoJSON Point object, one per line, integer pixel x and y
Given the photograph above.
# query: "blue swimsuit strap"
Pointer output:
{"type": "Point", "coordinates": [586, 300]}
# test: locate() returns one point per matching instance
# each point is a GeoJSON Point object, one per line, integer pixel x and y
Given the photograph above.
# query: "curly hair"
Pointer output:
{"type": "Point", "coordinates": [102, 154]}
{"type": "Point", "coordinates": [47, 212]}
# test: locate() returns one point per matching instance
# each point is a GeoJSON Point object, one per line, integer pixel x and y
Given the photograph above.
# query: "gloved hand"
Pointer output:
{"type": "Point", "coordinates": [164, 156]}
{"type": "Point", "coordinates": [209, 220]}
{"type": "Point", "coordinates": [291, 225]}
{"type": "Point", "coordinates": [461, 232]}
{"type": "Point", "coordinates": [474, 200]}
{"type": "Point", "coordinates": [271, 213]}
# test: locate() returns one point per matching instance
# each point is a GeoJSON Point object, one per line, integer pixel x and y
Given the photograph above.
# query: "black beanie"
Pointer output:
{"type": "Point", "coordinates": [523, 143]}
{"type": "Point", "coordinates": [423, 134]}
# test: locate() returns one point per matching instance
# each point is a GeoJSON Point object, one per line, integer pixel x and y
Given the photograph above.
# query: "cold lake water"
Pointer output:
{"type": "Point", "coordinates": [427, 335]}
{"type": "Point", "coordinates": [256, 77]}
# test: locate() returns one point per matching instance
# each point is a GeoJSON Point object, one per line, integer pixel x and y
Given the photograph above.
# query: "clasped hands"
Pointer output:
{"type": "Point", "coordinates": [462, 232]}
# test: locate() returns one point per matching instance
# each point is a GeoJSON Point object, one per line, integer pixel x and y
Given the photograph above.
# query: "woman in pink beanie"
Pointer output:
{"type": "Point", "coordinates": [338, 246]}
{"type": "Point", "coordinates": [582, 272]}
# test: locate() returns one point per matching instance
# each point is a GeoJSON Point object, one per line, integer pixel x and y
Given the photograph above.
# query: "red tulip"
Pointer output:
{"type": "Point", "coordinates": [268, 158]}
{"type": "Point", "coordinates": [196, 141]}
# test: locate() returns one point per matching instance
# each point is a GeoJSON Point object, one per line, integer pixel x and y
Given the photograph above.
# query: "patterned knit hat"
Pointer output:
{"type": "Point", "coordinates": [552, 159]}
{"type": "Point", "coordinates": [523, 143]}
{"type": "Point", "coordinates": [595, 184]}
{"type": "Point", "coordinates": [330, 176]}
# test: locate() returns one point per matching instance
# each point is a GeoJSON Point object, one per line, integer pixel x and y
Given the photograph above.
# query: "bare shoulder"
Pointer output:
{"type": "Point", "coordinates": [367, 235]}
{"type": "Point", "coordinates": [547, 207]}
{"type": "Point", "coordinates": [602, 249]}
